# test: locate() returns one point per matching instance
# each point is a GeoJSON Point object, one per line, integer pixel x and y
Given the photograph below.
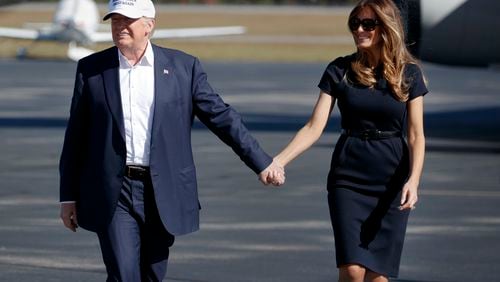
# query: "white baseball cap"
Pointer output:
{"type": "Point", "coordinates": [133, 9]}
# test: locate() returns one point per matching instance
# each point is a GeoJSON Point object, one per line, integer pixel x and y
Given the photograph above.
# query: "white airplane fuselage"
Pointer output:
{"type": "Point", "coordinates": [74, 21]}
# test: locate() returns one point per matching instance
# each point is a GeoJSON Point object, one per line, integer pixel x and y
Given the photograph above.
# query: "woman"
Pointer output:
{"type": "Point", "coordinates": [374, 175]}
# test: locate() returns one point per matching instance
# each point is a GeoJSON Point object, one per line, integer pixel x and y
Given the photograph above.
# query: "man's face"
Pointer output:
{"type": "Point", "coordinates": [130, 34]}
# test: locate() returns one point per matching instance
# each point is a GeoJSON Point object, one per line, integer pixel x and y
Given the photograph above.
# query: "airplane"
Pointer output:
{"type": "Point", "coordinates": [453, 32]}
{"type": "Point", "coordinates": [76, 22]}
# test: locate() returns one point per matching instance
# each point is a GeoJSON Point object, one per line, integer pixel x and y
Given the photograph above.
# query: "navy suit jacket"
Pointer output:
{"type": "Point", "coordinates": [94, 153]}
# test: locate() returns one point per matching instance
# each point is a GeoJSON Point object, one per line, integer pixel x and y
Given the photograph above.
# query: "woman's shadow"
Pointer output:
{"type": "Point", "coordinates": [388, 203]}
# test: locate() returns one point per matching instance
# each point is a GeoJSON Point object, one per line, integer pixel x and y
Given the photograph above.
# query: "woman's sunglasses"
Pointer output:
{"type": "Point", "coordinates": [366, 24]}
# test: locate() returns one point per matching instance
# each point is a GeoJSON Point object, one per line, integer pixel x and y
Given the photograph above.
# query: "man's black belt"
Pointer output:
{"type": "Point", "coordinates": [137, 172]}
{"type": "Point", "coordinates": [371, 134]}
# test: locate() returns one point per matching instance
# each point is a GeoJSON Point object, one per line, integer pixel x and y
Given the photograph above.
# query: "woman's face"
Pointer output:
{"type": "Point", "coordinates": [365, 30]}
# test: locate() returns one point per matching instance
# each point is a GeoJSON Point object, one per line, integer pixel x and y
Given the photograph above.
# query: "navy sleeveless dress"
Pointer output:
{"type": "Point", "coordinates": [366, 176]}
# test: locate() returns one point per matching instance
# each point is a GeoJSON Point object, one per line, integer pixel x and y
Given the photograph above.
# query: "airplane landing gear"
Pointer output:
{"type": "Point", "coordinates": [22, 53]}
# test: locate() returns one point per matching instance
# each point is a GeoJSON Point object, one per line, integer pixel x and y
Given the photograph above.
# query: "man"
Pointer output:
{"type": "Point", "coordinates": [127, 170]}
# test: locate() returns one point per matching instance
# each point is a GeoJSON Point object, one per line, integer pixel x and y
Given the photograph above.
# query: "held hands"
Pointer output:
{"type": "Point", "coordinates": [274, 174]}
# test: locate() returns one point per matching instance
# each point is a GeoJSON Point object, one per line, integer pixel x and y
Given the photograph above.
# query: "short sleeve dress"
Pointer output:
{"type": "Point", "coordinates": [367, 175]}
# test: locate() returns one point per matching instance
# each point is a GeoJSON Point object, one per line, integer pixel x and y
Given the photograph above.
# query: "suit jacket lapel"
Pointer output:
{"type": "Point", "coordinates": [112, 88]}
{"type": "Point", "coordinates": [164, 86]}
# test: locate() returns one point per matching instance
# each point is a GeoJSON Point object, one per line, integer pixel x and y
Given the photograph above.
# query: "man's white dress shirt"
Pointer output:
{"type": "Point", "coordinates": [137, 85]}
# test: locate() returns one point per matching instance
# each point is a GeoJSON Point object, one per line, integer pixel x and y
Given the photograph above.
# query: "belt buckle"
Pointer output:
{"type": "Point", "coordinates": [134, 171]}
{"type": "Point", "coordinates": [371, 134]}
{"type": "Point", "coordinates": [129, 171]}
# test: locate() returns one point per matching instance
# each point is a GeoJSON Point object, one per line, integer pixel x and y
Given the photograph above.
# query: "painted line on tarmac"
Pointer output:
{"type": "Point", "coordinates": [460, 193]}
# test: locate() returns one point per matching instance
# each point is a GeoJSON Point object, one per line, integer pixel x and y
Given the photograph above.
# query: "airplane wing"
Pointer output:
{"type": "Point", "coordinates": [19, 33]}
{"type": "Point", "coordinates": [101, 37]}
{"type": "Point", "coordinates": [180, 33]}
{"type": "Point", "coordinates": [37, 26]}
{"type": "Point", "coordinates": [198, 32]}
{"type": "Point", "coordinates": [75, 53]}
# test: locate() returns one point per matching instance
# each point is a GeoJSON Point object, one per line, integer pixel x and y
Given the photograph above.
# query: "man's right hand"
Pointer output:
{"type": "Point", "coordinates": [68, 215]}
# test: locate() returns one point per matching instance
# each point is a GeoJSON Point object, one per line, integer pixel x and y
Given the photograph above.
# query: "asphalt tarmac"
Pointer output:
{"type": "Point", "coordinates": [250, 232]}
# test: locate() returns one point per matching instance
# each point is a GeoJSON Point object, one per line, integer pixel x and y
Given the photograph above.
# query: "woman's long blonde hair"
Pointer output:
{"type": "Point", "coordinates": [394, 55]}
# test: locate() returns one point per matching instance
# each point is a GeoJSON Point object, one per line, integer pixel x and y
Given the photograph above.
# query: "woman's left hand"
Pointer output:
{"type": "Point", "coordinates": [409, 196]}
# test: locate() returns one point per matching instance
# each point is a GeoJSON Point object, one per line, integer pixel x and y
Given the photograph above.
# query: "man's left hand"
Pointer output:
{"type": "Point", "coordinates": [274, 174]}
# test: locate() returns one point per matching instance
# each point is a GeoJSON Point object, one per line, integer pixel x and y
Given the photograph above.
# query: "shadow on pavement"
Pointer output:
{"type": "Point", "coordinates": [463, 125]}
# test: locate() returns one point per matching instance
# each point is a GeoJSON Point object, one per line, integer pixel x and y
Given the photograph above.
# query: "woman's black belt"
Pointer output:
{"type": "Point", "coordinates": [371, 134]}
